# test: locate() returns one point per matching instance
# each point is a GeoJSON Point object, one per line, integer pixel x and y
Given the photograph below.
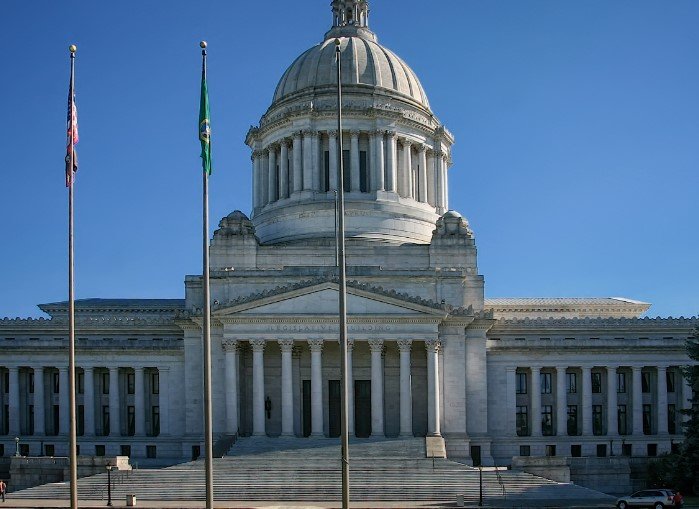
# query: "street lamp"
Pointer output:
{"type": "Point", "coordinates": [109, 485]}
{"type": "Point", "coordinates": [17, 446]}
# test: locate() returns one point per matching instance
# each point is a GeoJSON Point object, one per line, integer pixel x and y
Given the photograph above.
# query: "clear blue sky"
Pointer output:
{"type": "Point", "coordinates": [576, 124]}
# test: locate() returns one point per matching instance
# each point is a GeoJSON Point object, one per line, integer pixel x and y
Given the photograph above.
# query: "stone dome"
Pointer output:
{"type": "Point", "coordinates": [364, 62]}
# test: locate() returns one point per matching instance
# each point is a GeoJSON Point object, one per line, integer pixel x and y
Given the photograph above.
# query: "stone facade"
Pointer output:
{"type": "Point", "coordinates": [483, 380]}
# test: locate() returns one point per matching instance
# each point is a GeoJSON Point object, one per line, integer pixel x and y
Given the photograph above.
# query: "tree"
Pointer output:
{"type": "Point", "coordinates": [689, 451]}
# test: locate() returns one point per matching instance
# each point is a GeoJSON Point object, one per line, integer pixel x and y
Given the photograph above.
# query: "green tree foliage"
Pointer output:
{"type": "Point", "coordinates": [690, 447]}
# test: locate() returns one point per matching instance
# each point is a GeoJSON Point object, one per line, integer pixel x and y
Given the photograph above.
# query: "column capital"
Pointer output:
{"type": "Point", "coordinates": [307, 132]}
{"type": "Point", "coordinates": [272, 147]}
{"type": "Point", "coordinates": [612, 368]}
{"type": "Point", "coordinates": [376, 345]}
{"type": "Point", "coordinates": [662, 367]}
{"type": "Point", "coordinates": [229, 345]}
{"type": "Point", "coordinates": [561, 368]}
{"type": "Point", "coordinates": [378, 132]}
{"type": "Point", "coordinates": [535, 368]}
{"type": "Point", "coordinates": [286, 345]}
{"type": "Point", "coordinates": [354, 133]}
{"type": "Point", "coordinates": [406, 142]}
{"type": "Point", "coordinates": [316, 345]}
{"type": "Point", "coordinates": [258, 345]}
{"type": "Point", "coordinates": [636, 368]}
{"type": "Point", "coordinates": [404, 345]}
{"type": "Point", "coordinates": [332, 133]}
{"type": "Point", "coordinates": [296, 135]}
{"type": "Point", "coordinates": [511, 369]}
{"type": "Point", "coordinates": [433, 344]}
{"type": "Point", "coordinates": [390, 134]}
{"type": "Point", "coordinates": [138, 368]}
{"type": "Point", "coordinates": [422, 147]}
{"type": "Point", "coordinates": [284, 142]}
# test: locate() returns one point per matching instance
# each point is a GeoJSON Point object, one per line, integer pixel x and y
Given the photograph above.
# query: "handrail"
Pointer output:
{"type": "Point", "coordinates": [501, 482]}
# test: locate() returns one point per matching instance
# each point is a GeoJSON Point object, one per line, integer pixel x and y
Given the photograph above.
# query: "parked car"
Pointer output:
{"type": "Point", "coordinates": [656, 498]}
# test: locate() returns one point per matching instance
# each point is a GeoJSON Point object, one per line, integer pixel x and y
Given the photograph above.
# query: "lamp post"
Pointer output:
{"type": "Point", "coordinates": [17, 446]}
{"type": "Point", "coordinates": [109, 485]}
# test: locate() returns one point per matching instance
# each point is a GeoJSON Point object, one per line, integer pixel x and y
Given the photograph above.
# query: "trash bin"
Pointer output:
{"type": "Point", "coordinates": [130, 500]}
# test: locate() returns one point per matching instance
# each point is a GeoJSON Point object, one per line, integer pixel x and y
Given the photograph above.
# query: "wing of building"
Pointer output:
{"type": "Point", "coordinates": [430, 356]}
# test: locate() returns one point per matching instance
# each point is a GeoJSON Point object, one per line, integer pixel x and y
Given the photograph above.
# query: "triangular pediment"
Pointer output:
{"type": "Point", "coordinates": [322, 299]}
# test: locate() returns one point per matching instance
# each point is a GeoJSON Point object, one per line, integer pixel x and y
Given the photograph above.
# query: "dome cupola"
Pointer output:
{"type": "Point", "coordinates": [396, 152]}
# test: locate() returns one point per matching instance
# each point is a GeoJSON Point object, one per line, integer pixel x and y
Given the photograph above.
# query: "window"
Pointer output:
{"type": "Point", "coordinates": [545, 379]}
{"type": "Point", "coordinates": [521, 383]}
{"type": "Point", "coordinates": [130, 383]}
{"type": "Point", "coordinates": [572, 383]}
{"type": "Point", "coordinates": [652, 449]}
{"type": "Point", "coordinates": [24, 449]}
{"type": "Point", "coordinates": [6, 382]}
{"type": "Point", "coordinates": [601, 450]}
{"type": "Point", "coordinates": [363, 172]}
{"type": "Point", "coordinates": [522, 421]}
{"type": "Point", "coordinates": [621, 383]}
{"type": "Point", "coordinates": [151, 451]}
{"type": "Point", "coordinates": [626, 449]}
{"type": "Point", "coordinates": [155, 383]}
{"type": "Point", "coordinates": [49, 450]}
{"type": "Point", "coordinates": [671, 420]}
{"type": "Point", "coordinates": [524, 450]}
{"type": "Point", "coordinates": [547, 420]}
{"type": "Point", "coordinates": [131, 420]}
{"type": "Point", "coordinates": [155, 421]}
{"type": "Point", "coordinates": [31, 419]}
{"type": "Point", "coordinates": [196, 452]}
{"type": "Point", "coordinates": [670, 380]}
{"type": "Point", "coordinates": [30, 382]}
{"type": "Point", "coordinates": [645, 381]}
{"type": "Point", "coordinates": [125, 450]}
{"type": "Point", "coordinates": [2, 450]}
{"type": "Point", "coordinates": [105, 420]}
{"type": "Point", "coordinates": [647, 419]}
{"type": "Point", "coordinates": [597, 419]}
{"type": "Point", "coordinates": [99, 450]}
{"type": "Point", "coordinates": [550, 450]}
{"type": "Point", "coordinates": [80, 382]}
{"type": "Point", "coordinates": [572, 420]}
{"type": "Point", "coordinates": [622, 427]}
{"type": "Point", "coordinates": [56, 382]}
{"type": "Point", "coordinates": [576, 450]}
{"type": "Point", "coordinates": [346, 165]}
{"type": "Point", "coordinates": [105, 383]}
{"type": "Point", "coordinates": [80, 425]}
{"type": "Point", "coordinates": [596, 382]}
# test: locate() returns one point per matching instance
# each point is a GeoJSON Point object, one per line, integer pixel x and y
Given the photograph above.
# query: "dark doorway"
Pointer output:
{"type": "Point", "coordinates": [362, 408]}
{"type": "Point", "coordinates": [306, 408]}
{"type": "Point", "coordinates": [476, 455]}
{"type": "Point", "coordinates": [334, 408]}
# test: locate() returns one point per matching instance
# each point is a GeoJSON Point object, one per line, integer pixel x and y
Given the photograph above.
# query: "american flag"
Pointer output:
{"type": "Point", "coordinates": [72, 138]}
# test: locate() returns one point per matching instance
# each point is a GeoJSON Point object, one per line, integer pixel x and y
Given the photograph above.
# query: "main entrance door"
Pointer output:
{"type": "Point", "coordinates": [334, 408]}
{"type": "Point", "coordinates": [362, 408]}
{"type": "Point", "coordinates": [306, 407]}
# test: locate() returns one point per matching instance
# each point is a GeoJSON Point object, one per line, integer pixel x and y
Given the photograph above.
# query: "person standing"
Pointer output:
{"type": "Point", "coordinates": [3, 488]}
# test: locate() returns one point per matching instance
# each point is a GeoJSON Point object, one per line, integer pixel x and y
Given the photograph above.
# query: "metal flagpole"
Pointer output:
{"type": "Point", "coordinates": [206, 326]}
{"type": "Point", "coordinates": [343, 287]}
{"type": "Point", "coordinates": [71, 297]}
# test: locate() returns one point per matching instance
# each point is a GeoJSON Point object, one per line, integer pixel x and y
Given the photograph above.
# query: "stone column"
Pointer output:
{"type": "Point", "coordinates": [406, 405]}
{"type": "Point", "coordinates": [230, 347]}
{"type": "Point", "coordinates": [39, 403]}
{"type": "Point", "coordinates": [431, 180]}
{"type": "Point", "coordinates": [89, 400]}
{"type": "Point", "coordinates": [612, 418]}
{"type": "Point", "coordinates": [164, 400]}
{"type": "Point", "coordinates": [272, 176]}
{"type": "Point", "coordinates": [422, 174]}
{"type": "Point", "coordinates": [315, 160]}
{"type": "Point", "coordinates": [286, 346]}
{"type": "Point", "coordinates": [354, 161]}
{"type": "Point", "coordinates": [350, 385]}
{"type": "Point", "coordinates": [114, 410]}
{"type": "Point", "coordinates": [316, 346]}
{"type": "Point", "coordinates": [561, 402]}
{"type": "Point", "coordinates": [13, 401]}
{"type": "Point", "coordinates": [264, 177]}
{"type": "Point", "coordinates": [258, 387]}
{"type": "Point", "coordinates": [307, 161]}
{"type": "Point", "coordinates": [377, 425]}
{"type": "Point", "coordinates": [284, 170]}
{"type": "Point", "coordinates": [586, 400]}
{"type": "Point", "coordinates": [439, 177]}
{"type": "Point", "coordinates": [445, 181]}
{"type": "Point", "coordinates": [511, 401]}
{"type": "Point", "coordinates": [391, 158]}
{"type": "Point", "coordinates": [255, 179]}
{"type": "Point", "coordinates": [139, 401]}
{"type": "Point", "coordinates": [637, 400]}
{"type": "Point", "coordinates": [407, 169]}
{"type": "Point", "coordinates": [297, 168]}
{"type": "Point", "coordinates": [432, 347]}
{"type": "Point", "coordinates": [662, 400]}
{"type": "Point", "coordinates": [332, 159]}
{"type": "Point", "coordinates": [378, 183]}
{"type": "Point", "coordinates": [64, 401]}
{"type": "Point", "coordinates": [536, 401]}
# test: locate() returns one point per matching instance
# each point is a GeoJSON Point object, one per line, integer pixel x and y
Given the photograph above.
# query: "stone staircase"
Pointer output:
{"type": "Point", "coordinates": [308, 470]}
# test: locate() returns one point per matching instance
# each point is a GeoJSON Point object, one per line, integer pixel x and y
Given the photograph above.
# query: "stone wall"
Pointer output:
{"type": "Point", "coordinates": [554, 468]}
{"type": "Point", "coordinates": [609, 475]}
{"type": "Point", "coordinates": [26, 472]}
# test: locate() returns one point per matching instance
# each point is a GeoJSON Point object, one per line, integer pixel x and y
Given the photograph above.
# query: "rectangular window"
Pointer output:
{"type": "Point", "coordinates": [572, 420]}
{"type": "Point", "coordinates": [522, 421]}
{"type": "Point", "coordinates": [326, 171]}
{"type": "Point", "coordinates": [30, 382]}
{"type": "Point", "coordinates": [56, 382]}
{"type": "Point", "coordinates": [130, 383]}
{"type": "Point", "coordinates": [601, 450]}
{"type": "Point", "coordinates": [155, 421]}
{"type": "Point", "coordinates": [596, 382]}
{"type": "Point", "coordinates": [80, 382]}
{"type": "Point", "coordinates": [647, 419]}
{"type": "Point", "coordinates": [125, 450]}
{"type": "Point", "coordinates": [151, 452]}
{"type": "Point", "coordinates": [622, 427]}
{"type": "Point", "coordinates": [671, 420]}
{"type": "Point", "coordinates": [105, 383]}
{"type": "Point", "coordinates": [131, 420]}
{"type": "Point", "coordinates": [576, 450]}
{"type": "Point", "coordinates": [670, 380]}
{"type": "Point", "coordinates": [645, 381]}
{"type": "Point", "coordinates": [652, 449]}
{"type": "Point", "coordinates": [31, 419]}
{"type": "Point", "coordinates": [547, 420]}
{"type": "Point", "coordinates": [521, 383]}
{"type": "Point", "coordinates": [346, 166]}
{"type": "Point", "coordinates": [621, 383]}
{"type": "Point", "coordinates": [99, 450]}
{"type": "Point", "coordinates": [524, 450]}
{"type": "Point", "coordinates": [50, 450]}
{"type": "Point", "coordinates": [105, 420]}
{"type": "Point", "coordinates": [626, 449]}
{"type": "Point", "coordinates": [6, 382]}
{"type": "Point", "coordinates": [80, 425]}
{"type": "Point", "coordinates": [545, 379]}
{"type": "Point", "coordinates": [550, 450]}
{"type": "Point", "coordinates": [572, 383]}
{"type": "Point", "coordinates": [597, 419]}
{"type": "Point", "coordinates": [363, 172]}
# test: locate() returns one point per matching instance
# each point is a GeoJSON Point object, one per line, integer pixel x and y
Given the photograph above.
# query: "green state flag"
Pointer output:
{"type": "Point", "coordinates": [205, 126]}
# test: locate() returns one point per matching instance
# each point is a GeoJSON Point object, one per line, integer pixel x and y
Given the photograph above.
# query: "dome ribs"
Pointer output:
{"type": "Point", "coordinates": [370, 65]}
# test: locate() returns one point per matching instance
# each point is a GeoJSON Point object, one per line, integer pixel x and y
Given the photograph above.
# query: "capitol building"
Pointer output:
{"type": "Point", "coordinates": [482, 380]}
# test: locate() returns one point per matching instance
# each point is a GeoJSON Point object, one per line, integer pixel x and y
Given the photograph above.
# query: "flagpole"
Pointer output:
{"type": "Point", "coordinates": [71, 298]}
{"type": "Point", "coordinates": [206, 325]}
{"type": "Point", "coordinates": [340, 238]}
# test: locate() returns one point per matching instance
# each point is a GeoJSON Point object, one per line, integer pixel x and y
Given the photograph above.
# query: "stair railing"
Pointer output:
{"type": "Point", "coordinates": [501, 482]}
